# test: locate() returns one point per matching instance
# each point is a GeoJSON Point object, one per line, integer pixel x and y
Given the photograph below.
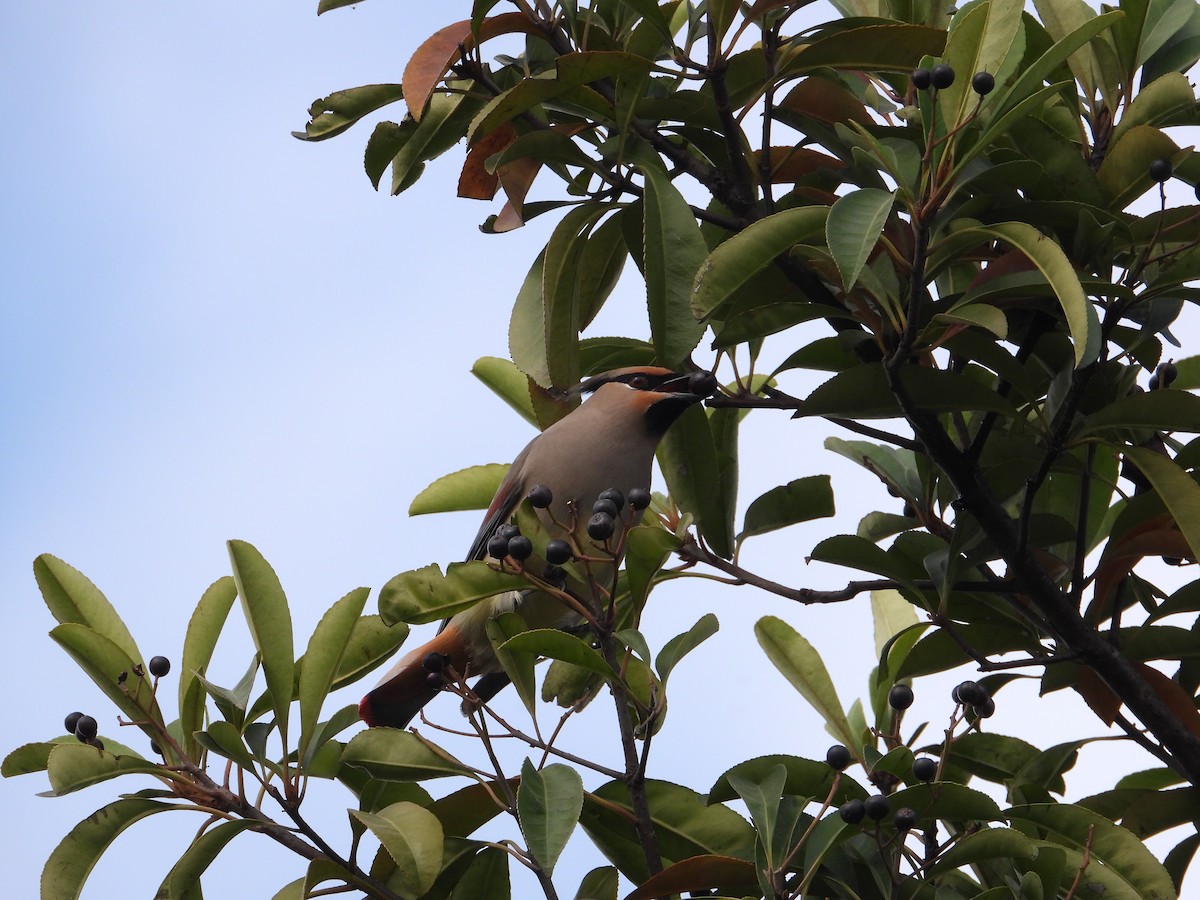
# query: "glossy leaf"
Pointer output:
{"type": "Point", "coordinates": [204, 628]}
{"type": "Point", "coordinates": [674, 249]}
{"type": "Point", "coordinates": [691, 457]}
{"type": "Point", "coordinates": [486, 876]}
{"type": "Point", "coordinates": [104, 661]}
{"type": "Point", "coordinates": [72, 767]}
{"type": "Point", "coordinates": [682, 644]}
{"type": "Point", "coordinates": [750, 251]}
{"type": "Point", "coordinates": [392, 755]}
{"type": "Point", "coordinates": [77, 854]}
{"type": "Point", "coordinates": [508, 383]}
{"type": "Point", "coordinates": [323, 658]}
{"type": "Point", "coordinates": [413, 838]}
{"type": "Point", "coordinates": [863, 393]}
{"type": "Point", "coordinates": [332, 115]}
{"type": "Point", "coordinates": [1179, 492]}
{"type": "Point", "coordinates": [469, 488]}
{"type": "Point", "coordinates": [801, 665]}
{"type": "Point", "coordinates": [426, 595]}
{"type": "Point", "coordinates": [598, 884]}
{"type": "Point", "coordinates": [853, 227]}
{"type": "Point", "coordinates": [700, 874]}
{"type": "Point", "coordinates": [805, 778]}
{"type": "Point", "coordinates": [801, 500]}
{"type": "Point", "coordinates": [647, 549]}
{"type": "Point", "coordinates": [517, 664]}
{"type": "Point", "coordinates": [270, 623]}
{"type": "Point", "coordinates": [72, 598]}
{"type": "Point", "coordinates": [556, 644]}
{"type": "Point", "coordinates": [548, 804]}
{"type": "Point", "coordinates": [183, 881]}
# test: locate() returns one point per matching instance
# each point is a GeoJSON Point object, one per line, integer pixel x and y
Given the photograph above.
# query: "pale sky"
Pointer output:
{"type": "Point", "coordinates": [211, 330]}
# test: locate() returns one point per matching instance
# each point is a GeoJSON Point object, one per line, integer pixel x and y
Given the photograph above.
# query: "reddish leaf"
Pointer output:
{"type": "Point", "coordinates": [826, 100]}
{"type": "Point", "coordinates": [516, 178]}
{"type": "Point", "coordinates": [1181, 703]}
{"type": "Point", "coordinates": [1010, 263]}
{"type": "Point", "coordinates": [700, 873]}
{"type": "Point", "coordinates": [790, 164]}
{"type": "Point", "coordinates": [475, 182]}
{"type": "Point", "coordinates": [1097, 695]}
{"type": "Point", "coordinates": [1157, 536]}
{"type": "Point", "coordinates": [437, 54]}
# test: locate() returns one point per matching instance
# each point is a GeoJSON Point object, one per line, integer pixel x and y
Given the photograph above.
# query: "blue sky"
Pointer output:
{"type": "Point", "coordinates": [211, 330]}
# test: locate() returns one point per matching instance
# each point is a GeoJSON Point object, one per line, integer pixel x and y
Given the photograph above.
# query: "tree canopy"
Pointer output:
{"type": "Point", "coordinates": [944, 210]}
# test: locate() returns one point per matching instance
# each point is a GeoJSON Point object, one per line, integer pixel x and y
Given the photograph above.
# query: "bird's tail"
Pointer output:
{"type": "Point", "coordinates": [405, 689]}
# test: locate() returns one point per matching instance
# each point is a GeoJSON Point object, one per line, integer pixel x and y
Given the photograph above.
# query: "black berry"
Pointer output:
{"type": "Point", "coordinates": [601, 526]}
{"type": "Point", "coordinates": [558, 552]}
{"type": "Point", "coordinates": [605, 506]}
{"type": "Point", "coordinates": [908, 511]}
{"type": "Point", "coordinates": [1161, 169]}
{"type": "Point", "coordinates": [71, 721]}
{"type": "Point", "coordinates": [507, 530]}
{"type": "Point", "coordinates": [435, 679]}
{"type": "Point", "coordinates": [1152, 384]}
{"type": "Point", "coordinates": [905, 819]}
{"type": "Point", "coordinates": [838, 757]}
{"type": "Point", "coordinates": [922, 78]}
{"type": "Point", "coordinates": [1167, 373]}
{"type": "Point", "coordinates": [968, 693]}
{"type": "Point", "coordinates": [986, 709]}
{"type": "Point", "coordinates": [159, 666]}
{"type": "Point", "coordinates": [154, 748]}
{"type": "Point", "coordinates": [877, 806]}
{"type": "Point", "coordinates": [540, 496]}
{"type": "Point", "coordinates": [702, 383]}
{"type": "Point", "coordinates": [639, 498]}
{"type": "Point", "coordinates": [497, 546]}
{"type": "Point", "coordinates": [983, 83]}
{"type": "Point", "coordinates": [615, 496]}
{"type": "Point", "coordinates": [433, 662]}
{"type": "Point", "coordinates": [900, 696]}
{"type": "Point", "coordinates": [553, 575]}
{"type": "Point", "coordinates": [942, 76]}
{"type": "Point", "coordinates": [924, 768]}
{"type": "Point", "coordinates": [520, 547]}
{"type": "Point", "coordinates": [86, 728]}
{"type": "Point", "coordinates": [852, 811]}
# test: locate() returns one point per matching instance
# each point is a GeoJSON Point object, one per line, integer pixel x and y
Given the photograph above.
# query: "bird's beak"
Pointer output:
{"type": "Point", "coordinates": [694, 386]}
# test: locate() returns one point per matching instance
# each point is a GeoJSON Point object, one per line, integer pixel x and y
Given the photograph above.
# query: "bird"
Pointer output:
{"type": "Point", "coordinates": [608, 441]}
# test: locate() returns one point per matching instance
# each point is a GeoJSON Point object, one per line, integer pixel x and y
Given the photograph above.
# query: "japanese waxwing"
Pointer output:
{"type": "Point", "coordinates": [606, 442]}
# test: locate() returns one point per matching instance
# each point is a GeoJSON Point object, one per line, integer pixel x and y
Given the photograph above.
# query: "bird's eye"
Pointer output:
{"type": "Point", "coordinates": [640, 382]}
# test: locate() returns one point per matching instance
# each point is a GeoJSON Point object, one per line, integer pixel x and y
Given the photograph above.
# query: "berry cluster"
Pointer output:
{"type": "Point", "coordinates": [85, 728]}
{"type": "Point", "coordinates": [1164, 376]}
{"type": "Point", "coordinates": [942, 76]}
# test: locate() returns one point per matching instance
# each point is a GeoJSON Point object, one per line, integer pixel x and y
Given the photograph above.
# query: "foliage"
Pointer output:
{"type": "Point", "coordinates": [978, 275]}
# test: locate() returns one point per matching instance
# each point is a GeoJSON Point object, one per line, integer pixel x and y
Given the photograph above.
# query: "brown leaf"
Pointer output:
{"type": "Point", "coordinates": [475, 182]}
{"type": "Point", "coordinates": [1180, 702]}
{"type": "Point", "coordinates": [1009, 264]}
{"type": "Point", "coordinates": [700, 873]}
{"type": "Point", "coordinates": [790, 164]}
{"type": "Point", "coordinates": [1157, 536]}
{"type": "Point", "coordinates": [433, 59]}
{"type": "Point", "coordinates": [1096, 694]}
{"type": "Point", "coordinates": [827, 100]}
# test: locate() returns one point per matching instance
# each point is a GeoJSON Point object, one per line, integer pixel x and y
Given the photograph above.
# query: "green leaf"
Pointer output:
{"type": "Point", "coordinates": [853, 227]}
{"type": "Point", "coordinates": [104, 661]}
{"type": "Point", "coordinates": [204, 628]}
{"type": "Point", "coordinates": [762, 797]}
{"type": "Point", "coordinates": [486, 876]}
{"type": "Point", "coordinates": [690, 457]}
{"type": "Point", "coordinates": [371, 644]}
{"type": "Point", "coordinates": [748, 252]}
{"type": "Point", "coordinates": [77, 854]}
{"type": "Point", "coordinates": [983, 845]}
{"type": "Point", "coordinates": [332, 115]}
{"type": "Point", "coordinates": [441, 127]}
{"type": "Point", "coordinates": [72, 598]}
{"type": "Point", "coordinates": [72, 767]}
{"type": "Point", "coordinates": [469, 488]}
{"type": "Point", "coordinates": [555, 644]}
{"type": "Point", "coordinates": [426, 595]}
{"type": "Point", "coordinates": [1179, 493]}
{"type": "Point", "coordinates": [508, 383]}
{"type": "Point", "coordinates": [948, 801]}
{"type": "Point", "coordinates": [413, 838]}
{"type": "Point", "coordinates": [891, 48]}
{"type": "Point", "coordinates": [801, 665]}
{"type": "Point", "coordinates": [1054, 265]}
{"type": "Point", "coordinates": [224, 739]}
{"type": "Point", "coordinates": [647, 548]}
{"type": "Point", "coordinates": [548, 806]}
{"type": "Point", "coordinates": [801, 500]}
{"type": "Point", "coordinates": [392, 755]}
{"type": "Point", "coordinates": [863, 393]}
{"type": "Point", "coordinates": [1125, 172]}
{"type": "Point", "coordinates": [323, 658]}
{"type": "Point", "coordinates": [891, 614]}
{"type": "Point", "coordinates": [674, 250]}
{"type": "Point", "coordinates": [599, 884]}
{"type": "Point", "coordinates": [980, 40]}
{"type": "Point", "coordinates": [682, 644]}
{"type": "Point", "coordinates": [517, 665]}
{"type": "Point", "coordinates": [468, 809]}
{"type": "Point", "coordinates": [270, 623]}
{"type": "Point", "coordinates": [29, 758]}
{"type": "Point", "coordinates": [1162, 410]}
{"type": "Point", "coordinates": [684, 824]}
{"type": "Point", "coordinates": [1140, 874]}
{"type": "Point", "coordinates": [183, 881]}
